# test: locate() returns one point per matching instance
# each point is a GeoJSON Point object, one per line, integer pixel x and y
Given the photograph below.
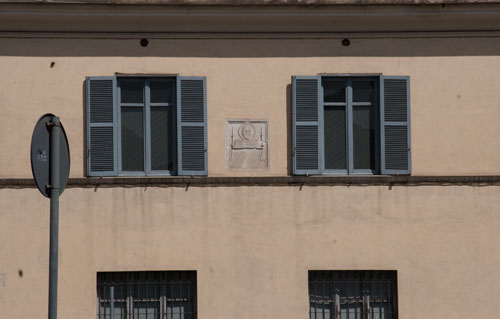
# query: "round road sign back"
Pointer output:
{"type": "Point", "coordinates": [40, 155]}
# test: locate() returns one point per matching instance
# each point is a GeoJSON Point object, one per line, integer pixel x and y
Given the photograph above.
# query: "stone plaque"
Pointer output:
{"type": "Point", "coordinates": [247, 144]}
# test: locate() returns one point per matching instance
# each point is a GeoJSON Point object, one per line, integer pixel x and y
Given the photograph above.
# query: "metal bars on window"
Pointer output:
{"type": "Point", "coordinates": [146, 295]}
{"type": "Point", "coordinates": [345, 294]}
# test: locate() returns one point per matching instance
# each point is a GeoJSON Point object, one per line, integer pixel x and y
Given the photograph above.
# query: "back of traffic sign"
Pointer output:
{"type": "Point", "coordinates": [40, 155]}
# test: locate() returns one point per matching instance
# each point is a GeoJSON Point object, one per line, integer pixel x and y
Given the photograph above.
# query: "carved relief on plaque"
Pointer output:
{"type": "Point", "coordinates": [246, 144]}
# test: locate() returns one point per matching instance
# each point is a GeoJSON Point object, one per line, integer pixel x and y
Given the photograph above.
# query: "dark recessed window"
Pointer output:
{"type": "Point", "coordinates": [148, 126]}
{"type": "Point", "coordinates": [351, 125]}
{"type": "Point", "coordinates": [353, 294]}
{"type": "Point", "coordinates": [146, 295]}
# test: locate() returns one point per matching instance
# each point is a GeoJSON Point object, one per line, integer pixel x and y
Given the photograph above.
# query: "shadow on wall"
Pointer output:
{"type": "Point", "coordinates": [289, 130]}
{"type": "Point", "coordinates": [229, 48]}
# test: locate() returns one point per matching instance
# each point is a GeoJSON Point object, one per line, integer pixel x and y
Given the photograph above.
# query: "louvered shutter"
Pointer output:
{"type": "Point", "coordinates": [395, 125]}
{"type": "Point", "coordinates": [192, 126]}
{"type": "Point", "coordinates": [101, 126]}
{"type": "Point", "coordinates": [307, 141]}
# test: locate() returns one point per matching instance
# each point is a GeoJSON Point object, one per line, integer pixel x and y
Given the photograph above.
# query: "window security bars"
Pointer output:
{"type": "Point", "coordinates": [146, 295]}
{"type": "Point", "coordinates": [353, 294]}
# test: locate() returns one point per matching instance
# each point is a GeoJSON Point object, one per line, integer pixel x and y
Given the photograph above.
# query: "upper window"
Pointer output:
{"type": "Point", "coordinates": [146, 295]}
{"type": "Point", "coordinates": [353, 294]}
{"type": "Point", "coordinates": [351, 125]}
{"type": "Point", "coordinates": [146, 126]}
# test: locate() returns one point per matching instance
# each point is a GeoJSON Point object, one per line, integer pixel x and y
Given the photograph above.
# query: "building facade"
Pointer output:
{"type": "Point", "coordinates": [255, 159]}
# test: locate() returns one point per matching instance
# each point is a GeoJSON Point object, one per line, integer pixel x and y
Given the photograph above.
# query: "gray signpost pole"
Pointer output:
{"type": "Point", "coordinates": [55, 128]}
{"type": "Point", "coordinates": [50, 163]}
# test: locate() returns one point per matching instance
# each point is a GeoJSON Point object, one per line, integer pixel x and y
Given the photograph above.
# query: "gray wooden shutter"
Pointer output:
{"type": "Point", "coordinates": [307, 133]}
{"type": "Point", "coordinates": [101, 126]}
{"type": "Point", "coordinates": [192, 126]}
{"type": "Point", "coordinates": [395, 125]}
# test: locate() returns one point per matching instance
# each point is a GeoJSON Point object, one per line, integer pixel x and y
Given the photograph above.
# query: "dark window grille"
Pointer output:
{"type": "Point", "coordinates": [146, 295]}
{"type": "Point", "coordinates": [353, 294]}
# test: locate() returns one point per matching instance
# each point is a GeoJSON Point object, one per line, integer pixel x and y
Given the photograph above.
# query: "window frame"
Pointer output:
{"type": "Point", "coordinates": [393, 151]}
{"type": "Point", "coordinates": [349, 104]}
{"type": "Point", "coordinates": [363, 282]}
{"type": "Point", "coordinates": [146, 105]}
{"type": "Point", "coordinates": [102, 124]}
{"type": "Point", "coordinates": [130, 291]}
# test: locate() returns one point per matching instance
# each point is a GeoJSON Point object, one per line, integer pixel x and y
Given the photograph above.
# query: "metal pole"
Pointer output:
{"type": "Point", "coordinates": [54, 214]}
{"type": "Point", "coordinates": [112, 301]}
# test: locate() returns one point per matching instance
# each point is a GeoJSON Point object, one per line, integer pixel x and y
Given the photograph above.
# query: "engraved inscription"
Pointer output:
{"type": "Point", "coordinates": [247, 144]}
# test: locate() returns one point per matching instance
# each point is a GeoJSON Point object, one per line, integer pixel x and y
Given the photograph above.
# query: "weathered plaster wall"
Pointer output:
{"type": "Point", "coordinates": [455, 101]}
{"type": "Point", "coordinates": [252, 246]}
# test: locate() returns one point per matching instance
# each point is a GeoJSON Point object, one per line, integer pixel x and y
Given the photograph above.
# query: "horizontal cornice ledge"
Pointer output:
{"type": "Point", "coordinates": [49, 19]}
{"type": "Point", "coordinates": [239, 3]}
{"type": "Point", "coordinates": [378, 180]}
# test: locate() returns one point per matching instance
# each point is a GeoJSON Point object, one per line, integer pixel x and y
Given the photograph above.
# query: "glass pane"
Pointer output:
{"type": "Point", "coordinates": [132, 139]}
{"type": "Point", "coordinates": [132, 91]}
{"type": "Point", "coordinates": [350, 310]}
{"type": "Point", "coordinates": [364, 137]}
{"type": "Point", "coordinates": [162, 91]}
{"type": "Point", "coordinates": [162, 138]}
{"type": "Point", "coordinates": [312, 311]}
{"type": "Point", "coordinates": [380, 311]}
{"type": "Point", "coordinates": [335, 138]}
{"type": "Point", "coordinates": [334, 90]}
{"type": "Point", "coordinates": [320, 311]}
{"type": "Point", "coordinates": [363, 91]}
{"type": "Point", "coordinates": [175, 312]}
{"type": "Point", "coordinates": [119, 310]}
{"type": "Point", "coordinates": [104, 311]}
{"type": "Point", "coordinates": [147, 310]}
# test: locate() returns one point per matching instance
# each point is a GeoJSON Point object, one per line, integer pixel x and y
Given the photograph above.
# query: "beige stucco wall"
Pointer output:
{"type": "Point", "coordinates": [253, 246]}
{"type": "Point", "coordinates": [455, 101]}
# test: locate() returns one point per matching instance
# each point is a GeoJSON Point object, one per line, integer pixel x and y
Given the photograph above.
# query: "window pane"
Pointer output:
{"type": "Point", "coordinates": [380, 311]}
{"type": "Point", "coordinates": [363, 91]}
{"type": "Point", "coordinates": [162, 91]}
{"type": "Point", "coordinates": [355, 292]}
{"type": "Point", "coordinates": [320, 312]}
{"type": "Point", "coordinates": [162, 138]}
{"type": "Point", "coordinates": [147, 310]}
{"type": "Point", "coordinates": [105, 302]}
{"type": "Point", "coordinates": [335, 138]}
{"type": "Point", "coordinates": [120, 310]}
{"type": "Point", "coordinates": [350, 310]}
{"type": "Point", "coordinates": [152, 294]}
{"type": "Point", "coordinates": [132, 91]}
{"type": "Point", "coordinates": [175, 312]}
{"type": "Point", "coordinates": [364, 137]}
{"type": "Point", "coordinates": [132, 139]}
{"type": "Point", "coordinates": [334, 90]}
